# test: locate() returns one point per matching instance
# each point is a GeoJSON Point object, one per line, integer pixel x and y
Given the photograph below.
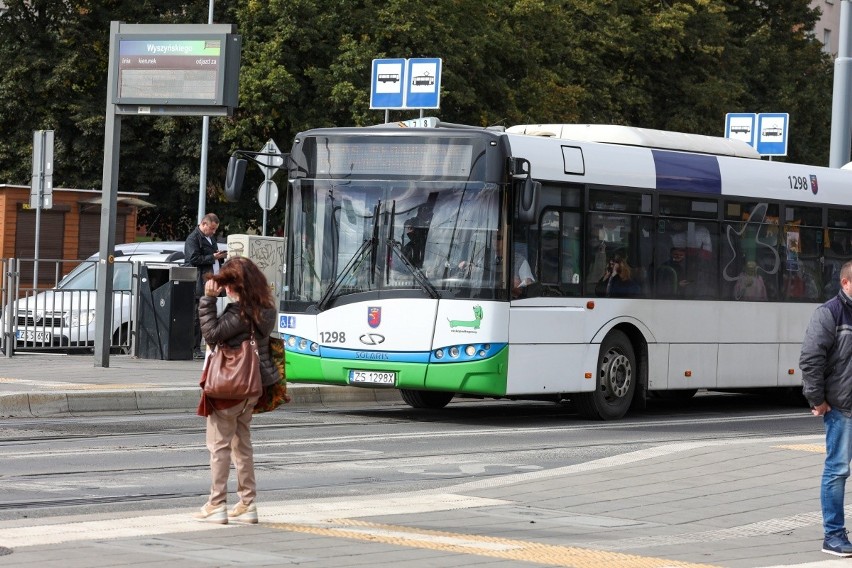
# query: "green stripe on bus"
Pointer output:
{"type": "Point", "coordinates": [487, 377]}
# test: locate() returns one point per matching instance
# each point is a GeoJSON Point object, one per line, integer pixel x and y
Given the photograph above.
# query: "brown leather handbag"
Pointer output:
{"type": "Point", "coordinates": [233, 372]}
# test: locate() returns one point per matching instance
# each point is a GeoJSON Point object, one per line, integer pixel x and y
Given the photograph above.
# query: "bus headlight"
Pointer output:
{"type": "Point", "coordinates": [454, 352]}
{"type": "Point", "coordinates": [470, 350]}
{"type": "Point", "coordinates": [439, 354]}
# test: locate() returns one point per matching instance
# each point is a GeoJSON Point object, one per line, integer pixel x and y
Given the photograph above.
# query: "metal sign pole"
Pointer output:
{"type": "Point", "coordinates": [841, 120]}
{"type": "Point", "coordinates": [205, 136]}
{"type": "Point", "coordinates": [37, 238]}
{"type": "Point", "coordinates": [106, 258]}
{"type": "Point", "coordinates": [265, 199]}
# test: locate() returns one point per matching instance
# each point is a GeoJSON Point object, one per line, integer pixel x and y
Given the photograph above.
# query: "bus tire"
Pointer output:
{"type": "Point", "coordinates": [616, 380]}
{"type": "Point", "coordinates": [426, 399]}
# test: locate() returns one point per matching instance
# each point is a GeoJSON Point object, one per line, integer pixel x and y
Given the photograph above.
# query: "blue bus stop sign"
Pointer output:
{"type": "Point", "coordinates": [387, 86]}
{"type": "Point", "coordinates": [771, 133]}
{"type": "Point", "coordinates": [740, 126]}
{"type": "Point", "coordinates": [423, 86]}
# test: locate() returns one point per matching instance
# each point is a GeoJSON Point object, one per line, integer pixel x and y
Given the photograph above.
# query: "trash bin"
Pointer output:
{"type": "Point", "coordinates": [166, 310]}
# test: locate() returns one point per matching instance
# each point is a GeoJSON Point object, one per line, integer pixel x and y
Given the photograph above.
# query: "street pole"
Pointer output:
{"type": "Point", "coordinates": [205, 135]}
{"type": "Point", "coordinates": [841, 122]}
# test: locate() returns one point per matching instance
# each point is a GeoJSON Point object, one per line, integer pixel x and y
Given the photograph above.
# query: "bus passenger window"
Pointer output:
{"type": "Point", "coordinates": [837, 252]}
{"type": "Point", "coordinates": [548, 265]}
{"type": "Point", "coordinates": [569, 262]}
{"type": "Point", "coordinates": [618, 279]}
{"type": "Point", "coordinates": [752, 266]}
{"type": "Point", "coordinates": [607, 234]}
{"type": "Point", "coordinates": [687, 257]}
{"type": "Point", "coordinates": [801, 258]}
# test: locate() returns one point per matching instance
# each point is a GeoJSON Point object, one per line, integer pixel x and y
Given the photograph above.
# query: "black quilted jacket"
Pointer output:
{"type": "Point", "coordinates": [231, 329]}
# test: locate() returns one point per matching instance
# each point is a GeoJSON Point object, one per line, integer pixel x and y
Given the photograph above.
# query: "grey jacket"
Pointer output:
{"type": "Point", "coordinates": [231, 329]}
{"type": "Point", "coordinates": [826, 359]}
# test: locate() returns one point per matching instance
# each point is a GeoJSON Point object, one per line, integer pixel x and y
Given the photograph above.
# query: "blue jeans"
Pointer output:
{"type": "Point", "coordinates": [838, 448]}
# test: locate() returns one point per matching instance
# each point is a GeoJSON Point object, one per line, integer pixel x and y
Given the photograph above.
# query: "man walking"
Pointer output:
{"type": "Point", "coordinates": [826, 363]}
{"type": "Point", "coordinates": [202, 252]}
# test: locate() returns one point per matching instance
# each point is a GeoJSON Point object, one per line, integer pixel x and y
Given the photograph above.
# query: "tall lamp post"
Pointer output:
{"type": "Point", "coordinates": [205, 135]}
{"type": "Point", "coordinates": [841, 124]}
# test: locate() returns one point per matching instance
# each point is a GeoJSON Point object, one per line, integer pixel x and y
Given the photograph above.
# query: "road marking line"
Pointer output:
{"type": "Point", "coordinates": [50, 386]}
{"type": "Point", "coordinates": [294, 512]}
{"type": "Point", "coordinates": [817, 448]}
{"type": "Point", "coordinates": [492, 547]}
{"type": "Point", "coordinates": [619, 460]}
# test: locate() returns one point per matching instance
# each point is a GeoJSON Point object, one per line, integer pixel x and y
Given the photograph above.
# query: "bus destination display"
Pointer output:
{"type": "Point", "coordinates": [169, 70]}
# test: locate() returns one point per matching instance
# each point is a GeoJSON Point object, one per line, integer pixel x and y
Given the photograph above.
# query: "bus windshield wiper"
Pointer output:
{"type": "Point", "coordinates": [374, 240]}
{"type": "Point", "coordinates": [350, 268]}
{"type": "Point", "coordinates": [416, 272]}
{"type": "Point", "coordinates": [391, 225]}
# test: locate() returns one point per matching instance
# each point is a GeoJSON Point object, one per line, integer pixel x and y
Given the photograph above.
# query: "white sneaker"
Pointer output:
{"type": "Point", "coordinates": [212, 514]}
{"type": "Point", "coordinates": [243, 514]}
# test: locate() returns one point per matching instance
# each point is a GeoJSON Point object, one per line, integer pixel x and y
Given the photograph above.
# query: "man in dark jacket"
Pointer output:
{"type": "Point", "coordinates": [202, 252]}
{"type": "Point", "coordinates": [826, 363]}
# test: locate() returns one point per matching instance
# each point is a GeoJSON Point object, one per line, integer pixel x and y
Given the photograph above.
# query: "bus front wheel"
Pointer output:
{"type": "Point", "coordinates": [616, 380]}
{"type": "Point", "coordinates": [426, 399]}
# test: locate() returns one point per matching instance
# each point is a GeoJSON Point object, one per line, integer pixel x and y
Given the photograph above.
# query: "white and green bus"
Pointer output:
{"type": "Point", "coordinates": [405, 246]}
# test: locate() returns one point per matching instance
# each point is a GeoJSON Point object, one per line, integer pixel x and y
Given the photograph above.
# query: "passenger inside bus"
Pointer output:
{"type": "Point", "coordinates": [694, 238]}
{"type": "Point", "coordinates": [838, 251]}
{"type": "Point", "coordinates": [617, 279]}
{"type": "Point", "coordinates": [672, 280]}
{"type": "Point", "coordinates": [750, 285]}
{"type": "Point", "coordinates": [415, 246]}
{"type": "Point", "coordinates": [800, 285]}
{"type": "Point", "coordinates": [483, 261]}
{"type": "Point", "coordinates": [522, 275]}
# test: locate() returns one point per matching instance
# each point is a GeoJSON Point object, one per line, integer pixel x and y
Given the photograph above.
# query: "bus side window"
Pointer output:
{"type": "Point", "coordinates": [548, 262]}
{"type": "Point", "coordinates": [644, 254]}
{"type": "Point", "coordinates": [569, 263]}
{"type": "Point", "coordinates": [837, 252]}
{"type": "Point", "coordinates": [690, 250]}
{"type": "Point", "coordinates": [801, 259]}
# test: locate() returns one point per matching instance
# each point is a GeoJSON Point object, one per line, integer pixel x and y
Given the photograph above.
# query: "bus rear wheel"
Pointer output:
{"type": "Point", "coordinates": [426, 399]}
{"type": "Point", "coordinates": [616, 381]}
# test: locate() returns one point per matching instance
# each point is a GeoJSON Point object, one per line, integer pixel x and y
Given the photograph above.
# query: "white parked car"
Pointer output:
{"type": "Point", "coordinates": [65, 315]}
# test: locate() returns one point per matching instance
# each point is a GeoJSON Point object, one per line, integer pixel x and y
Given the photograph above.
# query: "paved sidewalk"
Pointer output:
{"type": "Point", "coordinates": [744, 503]}
{"type": "Point", "coordinates": [53, 384]}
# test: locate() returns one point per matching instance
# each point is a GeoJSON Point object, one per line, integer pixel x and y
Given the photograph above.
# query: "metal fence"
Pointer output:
{"type": "Point", "coordinates": [61, 317]}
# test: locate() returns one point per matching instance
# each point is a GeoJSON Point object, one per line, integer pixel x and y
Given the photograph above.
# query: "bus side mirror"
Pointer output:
{"type": "Point", "coordinates": [234, 179]}
{"type": "Point", "coordinates": [528, 200]}
{"type": "Point", "coordinates": [527, 190]}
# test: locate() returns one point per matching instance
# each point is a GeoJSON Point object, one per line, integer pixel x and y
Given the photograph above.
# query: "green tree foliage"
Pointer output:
{"type": "Point", "coordinates": [676, 65]}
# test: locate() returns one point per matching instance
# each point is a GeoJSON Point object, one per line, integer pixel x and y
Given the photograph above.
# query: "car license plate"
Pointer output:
{"type": "Point", "coordinates": [386, 378]}
{"type": "Point", "coordinates": [32, 335]}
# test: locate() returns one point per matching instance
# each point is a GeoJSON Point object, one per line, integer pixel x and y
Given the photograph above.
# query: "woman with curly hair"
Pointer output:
{"type": "Point", "coordinates": [252, 310]}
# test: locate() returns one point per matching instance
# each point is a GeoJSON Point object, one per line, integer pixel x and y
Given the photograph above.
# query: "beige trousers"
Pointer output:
{"type": "Point", "coordinates": [228, 436]}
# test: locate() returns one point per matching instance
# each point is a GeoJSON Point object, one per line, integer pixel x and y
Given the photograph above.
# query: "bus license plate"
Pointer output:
{"type": "Point", "coordinates": [31, 335]}
{"type": "Point", "coordinates": [387, 378]}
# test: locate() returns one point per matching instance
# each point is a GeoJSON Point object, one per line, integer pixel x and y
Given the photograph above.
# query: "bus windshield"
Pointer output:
{"type": "Point", "coordinates": [414, 238]}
